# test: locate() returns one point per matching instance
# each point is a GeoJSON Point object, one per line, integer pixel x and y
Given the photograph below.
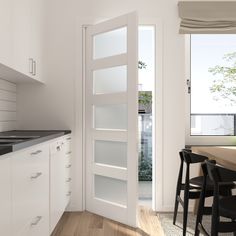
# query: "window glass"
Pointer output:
{"type": "Point", "coordinates": [213, 84]}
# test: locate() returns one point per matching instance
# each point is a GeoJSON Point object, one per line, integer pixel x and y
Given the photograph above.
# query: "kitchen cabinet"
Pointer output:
{"type": "Point", "coordinates": [57, 183]}
{"type": "Point", "coordinates": [36, 37]}
{"type": "Point", "coordinates": [21, 36]}
{"type": "Point", "coordinates": [21, 44]}
{"type": "Point", "coordinates": [35, 188]}
{"type": "Point", "coordinates": [60, 179]}
{"type": "Point", "coordinates": [67, 153]}
{"type": "Point", "coordinates": [30, 191]}
{"type": "Point", "coordinates": [6, 32]}
{"type": "Point", "coordinates": [5, 197]}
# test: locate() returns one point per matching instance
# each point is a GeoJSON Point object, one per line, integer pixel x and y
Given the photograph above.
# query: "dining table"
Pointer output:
{"type": "Point", "coordinates": [223, 155]}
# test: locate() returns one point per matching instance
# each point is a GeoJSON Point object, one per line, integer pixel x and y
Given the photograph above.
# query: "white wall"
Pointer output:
{"type": "Point", "coordinates": [53, 105]}
{"type": "Point", "coordinates": [7, 105]}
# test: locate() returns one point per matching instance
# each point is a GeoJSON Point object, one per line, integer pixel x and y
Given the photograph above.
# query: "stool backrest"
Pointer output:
{"type": "Point", "coordinates": [188, 157]}
{"type": "Point", "coordinates": [192, 158]}
{"type": "Point", "coordinates": [219, 173]}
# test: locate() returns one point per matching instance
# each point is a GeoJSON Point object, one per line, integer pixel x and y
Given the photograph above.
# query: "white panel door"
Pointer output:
{"type": "Point", "coordinates": [111, 118]}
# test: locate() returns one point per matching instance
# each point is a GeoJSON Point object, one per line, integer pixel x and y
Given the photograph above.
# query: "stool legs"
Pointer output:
{"type": "Point", "coordinates": [185, 213]}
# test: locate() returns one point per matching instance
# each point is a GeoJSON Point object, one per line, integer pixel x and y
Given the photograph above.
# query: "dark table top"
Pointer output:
{"type": "Point", "coordinates": [27, 138]}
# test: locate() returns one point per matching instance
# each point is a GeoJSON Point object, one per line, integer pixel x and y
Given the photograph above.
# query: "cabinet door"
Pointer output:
{"type": "Point", "coordinates": [67, 152]}
{"type": "Point", "coordinates": [6, 32]}
{"type": "Point", "coordinates": [5, 198]}
{"type": "Point", "coordinates": [21, 35]}
{"type": "Point", "coordinates": [57, 184]}
{"type": "Point", "coordinates": [36, 36]}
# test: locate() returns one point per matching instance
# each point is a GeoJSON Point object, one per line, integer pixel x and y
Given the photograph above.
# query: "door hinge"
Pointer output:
{"type": "Point", "coordinates": [189, 85]}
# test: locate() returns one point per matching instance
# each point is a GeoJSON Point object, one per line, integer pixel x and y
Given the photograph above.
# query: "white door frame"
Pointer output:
{"type": "Point", "coordinates": [157, 191]}
{"type": "Point", "coordinates": [158, 204]}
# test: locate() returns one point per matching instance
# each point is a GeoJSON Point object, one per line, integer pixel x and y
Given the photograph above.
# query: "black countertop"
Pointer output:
{"type": "Point", "coordinates": [34, 137]}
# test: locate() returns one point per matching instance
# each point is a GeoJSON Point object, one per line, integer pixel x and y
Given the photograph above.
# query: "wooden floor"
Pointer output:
{"type": "Point", "coordinates": [88, 224]}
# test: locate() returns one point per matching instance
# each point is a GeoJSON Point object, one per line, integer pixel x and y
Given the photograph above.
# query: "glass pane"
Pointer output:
{"type": "Point", "coordinates": [109, 189]}
{"type": "Point", "coordinates": [111, 117]}
{"type": "Point", "coordinates": [212, 124]}
{"type": "Point", "coordinates": [111, 153]}
{"type": "Point", "coordinates": [110, 80]}
{"type": "Point", "coordinates": [212, 83]}
{"type": "Point", "coordinates": [110, 43]}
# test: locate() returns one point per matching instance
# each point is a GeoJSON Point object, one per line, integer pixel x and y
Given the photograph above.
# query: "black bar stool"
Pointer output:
{"type": "Point", "coordinates": [225, 189]}
{"type": "Point", "coordinates": [191, 187]}
{"type": "Point", "coordinates": [222, 206]}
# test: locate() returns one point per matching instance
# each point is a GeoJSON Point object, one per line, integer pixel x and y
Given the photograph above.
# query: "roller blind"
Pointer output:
{"type": "Point", "coordinates": [212, 17]}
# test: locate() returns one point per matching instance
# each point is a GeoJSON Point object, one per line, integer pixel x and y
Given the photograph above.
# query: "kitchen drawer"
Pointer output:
{"type": "Point", "coordinates": [37, 226]}
{"type": "Point", "coordinates": [30, 188]}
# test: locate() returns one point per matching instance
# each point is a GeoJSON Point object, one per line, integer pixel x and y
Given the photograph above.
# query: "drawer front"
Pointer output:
{"type": "Point", "coordinates": [30, 172]}
{"type": "Point", "coordinates": [37, 226]}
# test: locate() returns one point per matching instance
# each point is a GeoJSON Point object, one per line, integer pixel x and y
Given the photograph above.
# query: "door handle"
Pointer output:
{"type": "Point", "coordinates": [36, 175]}
{"type": "Point", "coordinates": [34, 68]}
{"type": "Point", "coordinates": [68, 180]}
{"type": "Point", "coordinates": [31, 66]}
{"type": "Point", "coordinates": [37, 219]}
{"type": "Point", "coordinates": [35, 153]}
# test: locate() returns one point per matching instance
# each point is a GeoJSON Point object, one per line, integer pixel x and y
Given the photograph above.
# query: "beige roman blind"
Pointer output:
{"type": "Point", "coordinates": [207, 17]}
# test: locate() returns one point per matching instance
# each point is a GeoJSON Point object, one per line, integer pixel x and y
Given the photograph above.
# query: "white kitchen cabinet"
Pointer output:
{"type": "Point", "coordinates": [5, 197]}
{"type": "Point", "coordinates": [21, 29]}
{"type": "Point", "coordinates": [35, 188]}
{"type": "Point", "coordinates": [6, 39]}
{"type": "Point", "coordinates": [30, 191]}
{"type": "Point", "coordinates": [67, 153]}
{"type": "Point", "coordinates": [60, 179]}
{"type": "Point", "coordinates": [21, 36]}
{"type": "Point", "coordinates": [57, 183]}
{"type": "Point", "coordinates": [36, 37]}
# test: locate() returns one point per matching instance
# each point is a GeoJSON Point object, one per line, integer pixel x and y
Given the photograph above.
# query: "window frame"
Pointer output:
{"type": "Point", "coordinates": [198, 139]}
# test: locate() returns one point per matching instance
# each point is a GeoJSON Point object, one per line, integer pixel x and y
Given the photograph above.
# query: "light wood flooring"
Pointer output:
{"type": "Point", "coordinates": [88, 224]}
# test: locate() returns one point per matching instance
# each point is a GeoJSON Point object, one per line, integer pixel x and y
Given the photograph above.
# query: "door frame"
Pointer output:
{"type": "Point", "coordinates": [157, 186]}
{"type": "Point", "coordinates": [158, 199]}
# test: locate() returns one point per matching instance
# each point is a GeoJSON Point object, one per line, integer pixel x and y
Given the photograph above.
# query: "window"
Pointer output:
{"type": "Point", "coordinates": [213, 85]}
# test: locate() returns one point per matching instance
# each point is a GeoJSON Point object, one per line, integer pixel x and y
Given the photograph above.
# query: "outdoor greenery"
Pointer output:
{"type": "Point", "coordinates": [142, 65]}
{"type": "Point", "coordinates": [145, 168]}
{"type": "Point", "coordinates": [224, 85]}
{"type": "Point", "coordinates": [145, 163]}
{"type": "Point", "coordinates": [145, 98]}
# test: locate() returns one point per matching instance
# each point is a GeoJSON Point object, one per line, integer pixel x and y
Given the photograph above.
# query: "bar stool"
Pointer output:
{"type": "Point", "coordinates": [222, 206]}
{"type": "Point", "coordinates": [225, 189]}
{"type": "Point", "coordinates": [191, 187]}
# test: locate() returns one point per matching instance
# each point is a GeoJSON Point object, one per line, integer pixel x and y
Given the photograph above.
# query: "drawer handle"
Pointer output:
{"type": "Point", "coordinates": [58, 148]}
{"type": "Point", "coordinates": [68, 194]}
{"type": "Point", "coordinates": [68, 138]}
{"type": "Point", "coordinates": [36, 175]}
{"type": "Point", "coordinates": [37, 219]}
{"type": "Point", "coordinates": [36, 153]}
{"type": "Point", "coordinates": [68, 180]}
{"type": "Point", "coordinates": [68, 153]}
{"type": "Point", "coordinates": [69, 166]}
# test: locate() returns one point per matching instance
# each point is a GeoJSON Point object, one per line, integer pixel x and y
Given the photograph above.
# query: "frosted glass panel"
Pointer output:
{"type": "Point", "coordinates": [109, 189]}
{"type": "Point", "coordinates": [111, 153]}
{"type": "Point", "coordinates": [110, 80]}
{"type": "Point", "coordinates": [110, 43]}
{"type": "Point", "coordinates": [111, 117]}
